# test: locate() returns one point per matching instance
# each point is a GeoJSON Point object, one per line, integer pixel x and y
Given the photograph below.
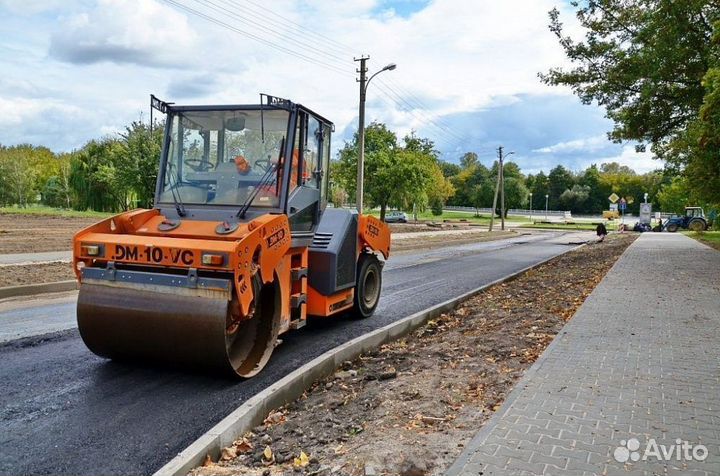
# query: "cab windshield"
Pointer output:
{"type": "Point", "coordinates": [220, 157]}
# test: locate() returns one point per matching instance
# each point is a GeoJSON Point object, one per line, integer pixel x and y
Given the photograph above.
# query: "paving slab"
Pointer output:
{"type": "Point", "coordinates": [634, 375]}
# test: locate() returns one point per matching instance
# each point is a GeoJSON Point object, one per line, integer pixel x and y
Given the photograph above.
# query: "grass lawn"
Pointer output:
{"type": "Point", "coordinates": [58, 212]}
{"type": "Point", "coordinates": [710, 238]}
{"type": "Point", "coordinates": [454, 215]}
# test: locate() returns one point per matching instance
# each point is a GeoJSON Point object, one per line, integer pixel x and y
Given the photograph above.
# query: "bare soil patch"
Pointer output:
{"type": "Point", "coordinates": [410, 407]}
{"type": "Point", "coordinates": [37, 233]}
{"type": "Point", "coordinates": [433, 226]}
{"type": "Point", "coordinates": [430, 242]}
{"type": "Point", "coordinates": [35, 274]}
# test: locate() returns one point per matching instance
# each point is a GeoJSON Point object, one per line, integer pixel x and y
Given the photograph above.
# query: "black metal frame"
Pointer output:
{"type": "Point", "coordinates": [273, 104]}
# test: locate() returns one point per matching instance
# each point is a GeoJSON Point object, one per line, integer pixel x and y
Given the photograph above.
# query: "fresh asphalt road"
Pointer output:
{"type": "Point", "coordinates": [64, 410]}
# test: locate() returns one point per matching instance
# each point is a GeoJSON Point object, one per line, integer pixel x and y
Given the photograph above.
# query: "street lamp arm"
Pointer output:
{"type": "Point", "coordinates": [389, 67]}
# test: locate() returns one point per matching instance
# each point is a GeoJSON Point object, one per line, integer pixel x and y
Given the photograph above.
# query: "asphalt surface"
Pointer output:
{"type": "Point", "coordinates": [64, 410]}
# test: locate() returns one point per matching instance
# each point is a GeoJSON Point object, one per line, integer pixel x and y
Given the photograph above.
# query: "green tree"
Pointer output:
{"type": "Point", "coordinates": [449, 169]}
{"type": "Point", "coordinates": [469, 160]}
{"type": "Point", "coordinates": [137, 159]}
{"type": "Point", "coordinates": [94, 178]}
{"type": "Point", "coordinates": [378, 140]}
{"type": "Point", "coordinates": [439, 188]}
{"type": "Point", "coordinates": [702, 142]}
{"type": "Point", "coordinates": [516, 193]}
{"type": "Point", "coordinates": [538, 185]}
{"type": "Point", "coordinates": [394, 176]}
{"type": "Point", "coordinates": [651, 65]}
{"type": "Point", "coordinates": [465, 183]}
{"type": "Point", "coordinates": [575, 199]}
{"type": "Point", "coordinates": [559, 180]}
{"type": "Point", "coordinates": [598, 192]}
{"type": "Point", "coordinates": [675, 196]}
{"type": "Point", "coordinates": [641, 60]}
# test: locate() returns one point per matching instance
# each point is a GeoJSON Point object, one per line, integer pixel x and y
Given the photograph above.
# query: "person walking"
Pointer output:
{"type": "Point", "coordinates": [601, 232]}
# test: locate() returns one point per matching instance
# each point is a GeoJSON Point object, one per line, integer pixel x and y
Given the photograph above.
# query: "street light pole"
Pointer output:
{"type": "Point", "coordinates": [547, 198]}
{"type": "Point", "coordinates": [361, 126]}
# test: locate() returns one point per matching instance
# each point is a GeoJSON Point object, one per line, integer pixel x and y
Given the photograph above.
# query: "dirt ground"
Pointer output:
{"type": "Point", "coordinates": [411, 406]}
{"type": "Point", "coordinates": [37, 233]}
{"type": "Point", "coordinates": [430, 242]}
{"type": "Point", "coordinates": [423, 226]}
{"type": "Point", "coordinates": [35, 274]}
{"type": "Point", "coordinates": [33, 233]}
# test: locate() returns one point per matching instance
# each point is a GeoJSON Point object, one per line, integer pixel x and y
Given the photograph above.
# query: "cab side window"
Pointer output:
{"type": "Point", "coordinates": [311, 152]}
{"type": "Point", "coordinates": [325, 164]}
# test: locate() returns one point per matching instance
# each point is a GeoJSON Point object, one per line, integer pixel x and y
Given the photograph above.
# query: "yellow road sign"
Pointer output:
{"type": "Point", "coordinates": [613, 197]}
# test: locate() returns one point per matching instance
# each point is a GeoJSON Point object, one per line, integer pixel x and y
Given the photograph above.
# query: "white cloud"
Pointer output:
{"type": "Point", "coordinates": [454, 57]}
{"type": "Point", "coordinates": [640, 162]}
{"type": "Point", "coordinates": [31, 7]}
{"type": "Point", "coordinates": [587, 144]}
{"type": "Point", "coordinates": [144, 32]}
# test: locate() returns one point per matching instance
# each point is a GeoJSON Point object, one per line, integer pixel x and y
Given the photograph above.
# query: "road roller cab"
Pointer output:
{"type": "Point", "coordinates": [238, 248]}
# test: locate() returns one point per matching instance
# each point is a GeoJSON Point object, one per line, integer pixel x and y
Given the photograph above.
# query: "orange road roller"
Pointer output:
{"type": "Point", "coordinates": [238, 249]}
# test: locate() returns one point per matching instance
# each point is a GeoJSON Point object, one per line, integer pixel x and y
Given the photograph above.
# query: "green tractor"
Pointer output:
{"type": "Point", "coordinates": [694, 220]}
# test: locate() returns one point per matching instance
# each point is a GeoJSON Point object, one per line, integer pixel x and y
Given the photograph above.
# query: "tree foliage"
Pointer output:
{"type": "Point", "coordinates": [653, 65]}
{"type": "Point", "coordinates": [403, 175]}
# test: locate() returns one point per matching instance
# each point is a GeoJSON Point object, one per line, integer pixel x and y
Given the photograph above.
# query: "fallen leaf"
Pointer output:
{"type": "Point", "coordinates": [243, 446]}
{"type": "Point", "coordinates": [301, 461]}
{"type": "Point", "coordinates": [228, 453]}
{"type": "Point", "coordinates": [274, 418]}
{"type": "Point", "coordinates": [208, 461]}
{"type": "Point", "coordinates": [268, 454]}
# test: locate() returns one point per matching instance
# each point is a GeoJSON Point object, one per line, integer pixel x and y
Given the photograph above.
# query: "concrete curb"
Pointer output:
{"type": "Point", "coordinates": [33, 289]}
{"type": "Point", "coordinates": [254, 410]}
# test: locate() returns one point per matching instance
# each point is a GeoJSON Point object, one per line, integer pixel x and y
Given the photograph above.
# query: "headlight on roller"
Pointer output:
{"type": "Point", "coordinates": [211, 259]}
{"type": "Point", "coordinates": [92, 250]}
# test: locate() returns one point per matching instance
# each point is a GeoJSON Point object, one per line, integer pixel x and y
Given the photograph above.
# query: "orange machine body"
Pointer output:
{"type": "Point", "coordinates": [260, 249]}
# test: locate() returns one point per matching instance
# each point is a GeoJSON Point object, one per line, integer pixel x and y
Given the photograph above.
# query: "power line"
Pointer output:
{"type": "Point", "coordinates": [333, 62]}
{"type": "Point", "coordinates": [427, 116]}
{"type": "Point", "coordinates": [257, 38]}
{"type": "Point", "coordinates": [340, 47]}
{"type": "Point", "coordinates": [295, 39]}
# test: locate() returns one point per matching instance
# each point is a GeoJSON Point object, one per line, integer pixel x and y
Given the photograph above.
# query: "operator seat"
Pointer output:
{"type": "Point", "coordinates": [228, 179]}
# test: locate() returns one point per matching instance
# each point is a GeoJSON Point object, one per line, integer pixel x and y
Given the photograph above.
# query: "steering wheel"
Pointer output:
{"type": "Point", "coordinates": [262, 164]}
{"type": "Point", "coordinates": [199, 165]}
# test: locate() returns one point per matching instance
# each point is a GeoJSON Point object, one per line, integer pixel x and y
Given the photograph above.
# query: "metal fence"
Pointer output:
{"type": "Point", "coordinates": [512, 211]}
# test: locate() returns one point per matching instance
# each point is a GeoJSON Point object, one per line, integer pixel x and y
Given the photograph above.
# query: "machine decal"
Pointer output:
{"type": "Point", "coordinates": [275, 238]}
{"type": "Point", "coordinates": [373, 230]}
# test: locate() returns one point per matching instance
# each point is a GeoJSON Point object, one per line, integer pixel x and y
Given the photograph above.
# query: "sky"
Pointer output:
{"type": "Point", "coordinates": [466, 72]}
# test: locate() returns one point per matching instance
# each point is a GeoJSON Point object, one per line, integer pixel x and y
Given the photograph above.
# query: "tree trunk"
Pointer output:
{"type": "Point", "coordinates": [383, 207]}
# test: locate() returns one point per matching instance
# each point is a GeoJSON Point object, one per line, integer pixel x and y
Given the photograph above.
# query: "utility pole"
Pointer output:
{"type": "Point", "coordinates": [364, 82]}
{"type": "Point", "coordinates": [361, 134]}
{"type": "Point", "coordinates": [502, 189]}
{"type": "Point", "coordinates": [494, 207]}
{"type": "Point", "coordinates": [500, 185]}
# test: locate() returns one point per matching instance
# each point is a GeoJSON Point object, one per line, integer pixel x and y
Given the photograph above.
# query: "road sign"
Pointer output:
{"type": "Point", "coordinates": [613, 197]}
{"type": "Point", "coordinates": [630, 200]}
{"type": "Point", "coordinates": [613, 207]}
{"type": "Point", "coordinates": [623, 206]}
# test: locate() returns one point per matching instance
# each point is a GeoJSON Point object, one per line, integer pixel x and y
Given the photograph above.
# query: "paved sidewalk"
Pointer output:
{"type": "Point", "coordinates": [30, 258]}
{"type": "Point", "coordinates": [640, 359]}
